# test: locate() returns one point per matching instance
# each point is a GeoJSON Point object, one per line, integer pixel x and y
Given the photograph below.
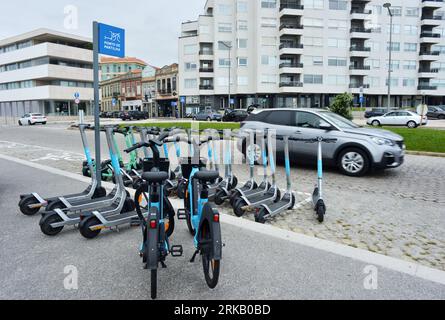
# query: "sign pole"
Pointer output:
{"type": "Point", "coordinates": [96, 101]}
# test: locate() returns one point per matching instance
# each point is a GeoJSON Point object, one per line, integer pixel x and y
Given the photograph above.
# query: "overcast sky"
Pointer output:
{"type": "Point", "coordinates": [152, 26]}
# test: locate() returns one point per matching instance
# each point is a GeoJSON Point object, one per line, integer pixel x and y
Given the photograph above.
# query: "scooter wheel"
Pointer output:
{"type": "Point", "coordinates": [321, 212]}
{"type": "Point", "coordinates": [260, 217]}
{"type": "Point", "coordinates": [55, 205]}
{"type": "Point", "coordinates": [181, 190]}
{"type": "Point", "coordinates": [233, 197]}
{"type": "Point", "coordinates": [85, 225]}
{"type": "Point", "coordinates": [25, 203]}
{"type": "Point", "coordinates": [219, 197]}
{"type": "Point", "coordinates": [238, 207]}
{"type": "Point", "coordinates": [294, 201]}
{"type": "Point", "coordinates": [86, 172]}
{"type": "Point", "coordinates": [47, 221]}
{"type": "Point", "coordinates": [234, 183]}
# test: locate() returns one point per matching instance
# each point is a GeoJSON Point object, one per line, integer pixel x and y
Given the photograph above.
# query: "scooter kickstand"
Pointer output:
{"type": "Point", "coordinates": [164, 266]}
{"type": "Point", "coordinates": [192, 260]}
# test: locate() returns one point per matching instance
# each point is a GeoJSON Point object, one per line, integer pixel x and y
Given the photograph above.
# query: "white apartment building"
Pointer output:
{"type": "Point", "coordinates": [301, 53]}
{"type": "Point", "coordinates": [41, 71]}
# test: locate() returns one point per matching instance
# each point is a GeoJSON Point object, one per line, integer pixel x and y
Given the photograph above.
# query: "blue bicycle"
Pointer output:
{"type": "Point", "coordinates": [203, 220]}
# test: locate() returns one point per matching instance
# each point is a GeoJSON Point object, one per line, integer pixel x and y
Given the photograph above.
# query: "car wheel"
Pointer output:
{"type": "Point", "coordinates": [44, 123]}
{"type": "Point", "coordinates": [376, 123]}
{"type": "Point", "coordinates": [29, 123]}
{"type": "Point", "coordinates": [20, 123]}
{"type": "Point", "coordinates": [194, 119]}
{"type": "Point", "coordinates": [209, 119]}
{"type": "Point", "coordinates": [411, 125]}
{"type": "Point", "coordinates": [441, 117]}
{"type": "Point", "coordinates": [353, 162]}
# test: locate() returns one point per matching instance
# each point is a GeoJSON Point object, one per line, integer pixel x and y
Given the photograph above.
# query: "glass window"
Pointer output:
{"type": "Point", "coordinates": [409, 82]}
{"type": "Point", "coordinates": [242, 25]}
{"type": "Point", "coordinates": [338, 25]}
{"type": "Point", "coordinates": [225, 9]}
{"type": "Point", "coordinates": [337, 62]}
{"type": "Point", "coordinates": [313, 78]}
{"type": "Point", "coordinates": [269, 60]}
{"type": "Point", "coordinates": [307, 120]}
{"type": "Point", "coordinates": [269, 22]}
{"type": "Point", "coordinates": [224, 27]}
{"type": "Point", "coordinates": [224, 45]}
{"type": "Point", "coordinates": [338, 5]}
{"type": "Point", "coordinates": [224, 62]}
{"type": "Point", "coordinates": [188, 49]}
{"type": "Point", "coordinates": [190, 83]}
{"type": "Point", "coordinates": [313, 22]}
{"type": "Point", "coordinates": [394, 45]}
{"type": "Point", "coordinates": [313, 41]}
{"type": "Point", "coordinates": [269, 78]}
{"type": "Point", "coordinates": [243, 81]}
{"type": "Point", "coordinates": [336, 80]}
{"type": "Point", "coordinates": [242, 6]}
{"type": "Point", "coordinates": [410, 47]}
{"type": "Point", "coordinates": [411, 30]}
{"type": "Point", "coordinates": [242, 43]}
{"type": "Point", "coordinates": [242, 62]}
{"type": "Point", "coordinates": [412, 12]}
{"type": "Point", "coordinates": [337, 43]}
{"type": "Point", "coordinates": [190, 66]}
{"type": "Point", "coordinates": [313, 4]}
{"type": "Point", "coordinates": [269, 41]}
{"type": "Point", "coordinates": [270, 4]}
{"type": "Point", "coordinates": [281, 118]}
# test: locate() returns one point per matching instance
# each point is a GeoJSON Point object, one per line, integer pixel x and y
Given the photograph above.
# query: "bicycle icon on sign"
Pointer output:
{"type": "Point", "coordinates": [114, 37]}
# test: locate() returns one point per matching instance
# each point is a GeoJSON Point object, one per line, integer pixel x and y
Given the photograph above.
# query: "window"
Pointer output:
{"type": "Point", "coordinates": [269, 78]}
{"type": "Point", "coordinates": [224, 45]}
{"type": "Point", "coordinates": [411, 30]}
{"type": "Point", "coordinates": [269, 22]}
{"type": "Point", "coordinates": [225, 9]}
{"type": "Point", "coordinates": [313, 4]}
{"type": "Point", "coordinates": [242, 62]}
{"type": "Point", "coordinates": [269, 4]}
{"type": "Point", "coordinates": [412, 12]}
{"type": "Point", "coordinates": [242, 25]}
{"type": "Point", "coordinates": [338, 5]}
{"type": "Point", "coordinates": [410, 47]}
{"type": "Point", "coordinates": [204, 29]}
{"type": "Point", "coordinates": [313, 41]}
{"type": "Point", "coordinates": [307, 120]}
{"type": "Point", "coordinates": [314, 23]}
{"type": "Point", "coordinates": [190, 83]}
{"type": "Point", "coordinates": [269, 60]}
{"type": "Point", "coordinates": [373, 81]}
{"type": "Point", "coordinates": [375, 46]}
{"type": "Point", "coordinates": [313, 78]}
{"type": "Point", "coordinates": [313, 60]}
{"type": "Point", "coordinates": [242, 7]}
{"type": "Point", "coordinates": [395, 64]}
{"type": "Point", "coordinates": [243, 81]}
{"type": "Point", "coordinates": [407, 82]}
{"type": "Point", "coordinates": [336, 80]}
{"type": "Point", "coordinates": [337, 43]}
{"type": "Point", "coordinates": [190, 66]}
{"type": "Point", "coordinates": [395, 46]}
{"type": "Point", "coordinates": [373, 63]}
{"type": "Point", "coordinates": [224, 63]}
{"type": "Point", "coordinates": [242, 43]}
{"type": "Point", "coordinates": [338, 25]}
{"type": "Point", "coordinates": [337, 62]}
{"type": "Point", "coordinates": [269, 41]}
{"type": "Point", "coordinates": [189, 49]}
{"type": "Point", "coordinates": [224, 27]}
{"type": "Point", "coordinates": [396, 11]}
{"type": "Point", "coordinates": [395, 28]}
{"type": "Point", "coordinates": [377, 9]}
{"type": "Point", "coordinates": [394, 82]}
{"type": "Point", "coordinates": [224, 81]}
{"type": "Point", "coordinates": [410, 65]}
{"type": "Point", "coordinates": [280, 118]}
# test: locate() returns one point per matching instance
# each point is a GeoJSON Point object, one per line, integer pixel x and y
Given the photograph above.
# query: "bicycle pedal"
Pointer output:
{"type": "Point", "coordinates": [176, 251]}
{"type": "Point", "coordinates": [182, 214]}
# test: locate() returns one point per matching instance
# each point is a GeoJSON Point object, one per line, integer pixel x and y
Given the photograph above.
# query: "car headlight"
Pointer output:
{"type": "Point", "coordinates": [383, 141]}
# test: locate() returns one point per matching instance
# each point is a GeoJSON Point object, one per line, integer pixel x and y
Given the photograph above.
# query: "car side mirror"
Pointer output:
{"type": "Point", "coordinates": [326, 126]}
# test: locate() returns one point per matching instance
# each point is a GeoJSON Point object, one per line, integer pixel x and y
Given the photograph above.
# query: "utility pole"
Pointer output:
{"type": "Point", "coordinates": [230, 70]}
{"type": "Point", "coordinates": [388, 6]}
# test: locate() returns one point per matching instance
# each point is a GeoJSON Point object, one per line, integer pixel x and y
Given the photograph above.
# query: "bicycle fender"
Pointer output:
{"type": "Point", "coordinates": [152, 241]}
{"type": "Point", "coordinates": [215, 230]}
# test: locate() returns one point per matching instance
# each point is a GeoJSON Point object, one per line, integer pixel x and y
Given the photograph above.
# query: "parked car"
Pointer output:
{"type": "Point", "coordinates": [32, 119]}
{"type": "Point", "coordinates": [399, 118]}
{"type": "Point", "coordinates": [116, 114]}
{"type": "Point", "coordinates": [133, 115]}
{"type": "Point", "coordinates": [356, 152]}
{"type": "Point", "coordinates": [237, 115]}
{"type": "Point", "coordinates": [252, 108]}
{"type": "Point", "coordinates": [375, 112]}
{"type": "Point", "coordinates": [436, 113]}
{"type": "Point", "coordinates": [207, 116]}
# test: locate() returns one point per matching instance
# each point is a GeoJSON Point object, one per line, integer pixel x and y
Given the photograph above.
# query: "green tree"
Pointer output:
{"type": "Point", "coordinates": [342, 105]}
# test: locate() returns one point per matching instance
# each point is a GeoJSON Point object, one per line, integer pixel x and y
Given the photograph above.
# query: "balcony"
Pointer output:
{"type": "Point", "coordinates": [206, 70]}
{"type": "Point", "coordinates": [358, 86]}
{"type": "Point", "coordinates": [435, 4]}
{"type": "Point", "coordinates": [425, 55]}
{"type": "Point", "coordinates": [206, 52]}
{"type": "Point", "coordinates": [430, 37]}
{"type": "Point", "coordinates": [294, 84]}
{"type": "Point", "coordinates": [360, 14]}
{"type": "Point", "coordinates": [360, 51]}
{"type": "Point", "coordinates": [426, 87]}
{"type": "Point", "coordinates": [360, 33]}
{"type": "Point", "coordinates": [291, 29]}
{"type": "Point", "coordinates": [432, 21]}
{"type": "Point", "coordinates": [291, 65]}
{"type": "Point", "coordinates": [359, 68]}
{"type": "Point", "coordinates": [291, 48]}
{"type": "Point", "coordinates": [428, 72]}
{"type": "Point", "coordinates": [291, 68]}
{"type": "Point", "coordinates": [206, 87]}
{"type": "Point", "coordinates": [165, 92]}
{"type": "Point", "coordinates": [291, 8]}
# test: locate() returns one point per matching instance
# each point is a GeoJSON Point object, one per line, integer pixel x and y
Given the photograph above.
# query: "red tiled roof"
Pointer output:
{"type": "Point", "coordinates": [122, 60]}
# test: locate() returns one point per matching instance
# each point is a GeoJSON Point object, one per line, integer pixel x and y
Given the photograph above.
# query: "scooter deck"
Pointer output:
{"type": "Point", "coordinates": [262, 198]}
{"type": "Point", "coordinates": [93, 202]}
{"type": "Point", "coordinates": [278, 207]}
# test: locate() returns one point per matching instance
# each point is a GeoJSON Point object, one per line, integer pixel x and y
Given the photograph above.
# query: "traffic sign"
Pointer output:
{"type": "Point", "coordinates": [182, 99]}
{"type": "Point", "coordinates": [111, 40]}
{"type": "Point", "coordinates": [77, 95]}
{"type": "Point", "coordinates": [77, 101]}
{"type": "Point", "coordinates": [114, 102]}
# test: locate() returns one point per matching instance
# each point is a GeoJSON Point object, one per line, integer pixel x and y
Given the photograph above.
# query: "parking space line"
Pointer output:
{"type": "Point", "coordinates": [390, 263]}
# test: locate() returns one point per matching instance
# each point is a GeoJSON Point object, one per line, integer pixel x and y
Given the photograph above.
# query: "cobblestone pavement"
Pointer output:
{"type": "Point", "coordinates": [400, 213]}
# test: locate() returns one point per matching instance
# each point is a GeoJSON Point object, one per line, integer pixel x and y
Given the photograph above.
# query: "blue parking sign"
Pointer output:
{"type": "Point", "coordinates": [111, 40]}
{"type": "Point", "coordinates": [182, 99]}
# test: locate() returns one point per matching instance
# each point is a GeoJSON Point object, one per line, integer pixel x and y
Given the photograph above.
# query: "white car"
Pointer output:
{"type": "Point", "coordinates": [32, 119]}
{"type": "Point", "coordinates": [399, 118]}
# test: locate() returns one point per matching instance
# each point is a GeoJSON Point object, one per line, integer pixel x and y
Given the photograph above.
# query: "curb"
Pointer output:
{"type": "Point", "coordinates": [428, 154]}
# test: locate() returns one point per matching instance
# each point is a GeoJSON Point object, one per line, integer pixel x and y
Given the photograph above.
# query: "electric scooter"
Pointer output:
{"type": "Point", "coordinates": [251, 184]}
{"type": "Point", "coordinates": [269, 210]}
{"type": "Point", "coordinates": [272, 194]}
{"type": "Point", "coordinates": [225, 187]}
{"type": "Point", "coordinates": [32, 203]}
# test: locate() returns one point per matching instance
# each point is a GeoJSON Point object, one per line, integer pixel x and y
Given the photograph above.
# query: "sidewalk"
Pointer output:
{"type": "Point", "coordinates": [109, 267]}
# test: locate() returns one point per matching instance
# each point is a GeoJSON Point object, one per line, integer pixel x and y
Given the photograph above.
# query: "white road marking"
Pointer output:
{"type": "Point", "coordinates": [394, 264]}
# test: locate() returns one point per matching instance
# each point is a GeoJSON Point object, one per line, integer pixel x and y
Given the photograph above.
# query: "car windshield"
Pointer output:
{"type": "Point", "coordinates": [338, 120]}
{"type": "Point", "coordinates": [36, 114]}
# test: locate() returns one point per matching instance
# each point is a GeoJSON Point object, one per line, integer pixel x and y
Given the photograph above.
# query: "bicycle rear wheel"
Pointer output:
{"type": "Point", "coordinates": [211, 267]}
{"type": "Point", "coordinates": [154, 283]}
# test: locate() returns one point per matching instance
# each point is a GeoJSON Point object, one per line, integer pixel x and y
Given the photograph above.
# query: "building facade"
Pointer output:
{"type": "Point", "coordinates": [42, 71]}
{"type": "Point", "coordinates": [113, 67]}
{"type": "Point", "coordinates": [301, 53]}
{"type": "Point", "coordinates": [167, 91]}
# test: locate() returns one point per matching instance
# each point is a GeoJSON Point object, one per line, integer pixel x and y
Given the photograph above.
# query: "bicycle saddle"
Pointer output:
{"type": "Point", "coordinates": [155, 177]}
{"type": "Point", "coordinates": [206, 176]}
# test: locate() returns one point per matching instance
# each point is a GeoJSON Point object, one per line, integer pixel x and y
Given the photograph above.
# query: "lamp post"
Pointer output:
{"type": "Point", "coordinates": [388, 6]}
{"type": "Point", "coordinates": [230, 70]}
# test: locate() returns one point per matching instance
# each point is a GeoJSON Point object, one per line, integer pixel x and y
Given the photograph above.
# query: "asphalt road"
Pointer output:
{"type": "Point", "coordinates": [254, 266]}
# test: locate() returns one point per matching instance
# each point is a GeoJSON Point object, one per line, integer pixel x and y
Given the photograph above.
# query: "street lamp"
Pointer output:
{"type": "Point", "coordinates": [388, 6]}
{"type": "Point", "coordinates": [230, 68]}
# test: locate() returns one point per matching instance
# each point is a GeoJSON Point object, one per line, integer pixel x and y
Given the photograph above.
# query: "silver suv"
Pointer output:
{"type": "Point", "coordinates": [357, 151]}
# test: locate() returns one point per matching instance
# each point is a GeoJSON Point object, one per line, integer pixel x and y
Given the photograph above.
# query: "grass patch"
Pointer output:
{"type": "Point", "coordinates": [188, 125]}
{"type": "Point", "coordinates": [422, 139]}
